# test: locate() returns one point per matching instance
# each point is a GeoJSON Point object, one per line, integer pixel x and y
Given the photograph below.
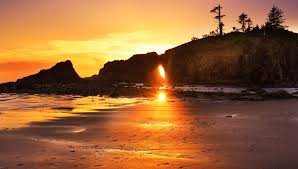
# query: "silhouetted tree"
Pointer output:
{"type": "Point", "coordinates": [249, 24]}
{"type": "Point", "coordinates": [194, 39]}
{"type": "Point", "coordinates": [219, 16]}
{"type": "Point", "coordinates": [242, 20]}
{"type": "Point", "coordinates": [245, 21]}
{"type": "Point", "coordinates": [275, 19]}
{"type": "Point", "coordinates": [263, 27]}
{"type": "Point", "coordinates": [211, 34]}
{"type": "Point", "coordinates": [256, 28]}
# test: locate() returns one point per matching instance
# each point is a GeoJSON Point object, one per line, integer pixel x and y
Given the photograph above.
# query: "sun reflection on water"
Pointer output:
{"type": "Point", "coordinates": [158, 125]}
{"type": "Point", "coordinates": [162, 97]}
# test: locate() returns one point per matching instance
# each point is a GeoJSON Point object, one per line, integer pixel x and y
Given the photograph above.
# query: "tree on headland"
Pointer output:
{"type": "Point", "coordinates": [276, 19]}
{"type": "Point", "coordinates": [242, 20]}
{"type": "Point", "coordinates": [246, 22]}
{"type": "Point", "coordinates": [249, 24]}
{"type": "Point", "coordinates": [211, 34]}
{"type": "Point", "coordinates": [219, 16]}
{"type": "Point", "coordinates": [194, 38]}
{"type": "Point", "coordinates": [256, 28]}
{"type": "Point", "coordinates": [235, 29]}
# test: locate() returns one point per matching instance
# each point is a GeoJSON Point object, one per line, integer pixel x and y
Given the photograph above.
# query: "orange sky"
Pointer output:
{"type": "Point", "coordinates": [38, 33]}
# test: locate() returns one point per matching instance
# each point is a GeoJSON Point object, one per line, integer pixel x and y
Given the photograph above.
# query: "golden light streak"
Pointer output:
{"type": "Point", "coordinates": [162, 71]}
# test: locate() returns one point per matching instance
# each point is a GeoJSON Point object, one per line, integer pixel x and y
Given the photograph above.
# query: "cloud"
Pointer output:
{"type": "Point", "coordinates": [118, 45]}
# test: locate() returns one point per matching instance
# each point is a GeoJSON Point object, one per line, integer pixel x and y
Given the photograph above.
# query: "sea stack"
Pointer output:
{"type": "Point", "coordinates": [62, 72]}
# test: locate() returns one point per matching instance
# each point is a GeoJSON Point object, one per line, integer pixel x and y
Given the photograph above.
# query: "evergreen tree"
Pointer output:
{"type": "Point", "coordinates": [275, 20]}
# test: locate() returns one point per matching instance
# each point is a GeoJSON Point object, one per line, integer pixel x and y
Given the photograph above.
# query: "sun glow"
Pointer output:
{"type": "Point", "coordinates": [162, 96]}
{"type": "Point", "coordinates": [162, 71]}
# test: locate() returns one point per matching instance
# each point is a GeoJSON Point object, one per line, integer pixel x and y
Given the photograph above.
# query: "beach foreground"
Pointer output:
{"type": "Point", "coordinates": [76, 132]}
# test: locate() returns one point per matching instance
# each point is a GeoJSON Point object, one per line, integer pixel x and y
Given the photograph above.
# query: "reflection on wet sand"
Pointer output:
{"type": "Point", "coordinates": [22, 110]}
{"type": "Point", "coordinates": [153, 131]}
{"type": "Point", "coordinates": [19, 119]}
{"type": "Point", "coordinates": [156, 132]}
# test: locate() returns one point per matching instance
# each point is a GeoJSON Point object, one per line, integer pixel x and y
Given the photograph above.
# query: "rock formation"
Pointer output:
{"type": "Point", "coordinates": [138, 68]}
{"type": "Point", "coordinates": [233, 59]}
{"type": "Point", "coordinates": [62, 72]}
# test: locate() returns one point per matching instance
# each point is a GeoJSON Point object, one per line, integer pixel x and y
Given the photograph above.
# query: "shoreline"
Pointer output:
{"type": "Point", "coordinates": [241, 94]}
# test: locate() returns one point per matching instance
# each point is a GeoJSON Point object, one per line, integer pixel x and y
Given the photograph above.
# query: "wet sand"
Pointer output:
{"type": "Point", "coordinates": [169, 134]}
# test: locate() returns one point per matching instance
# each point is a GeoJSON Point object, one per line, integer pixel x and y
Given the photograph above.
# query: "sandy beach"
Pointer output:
{"type": "Point", "coordinates": [156, 84]}
{"type": "Point", "coordinates": [167, 133]}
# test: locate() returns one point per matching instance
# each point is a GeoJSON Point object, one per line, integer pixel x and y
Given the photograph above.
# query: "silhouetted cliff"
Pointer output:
{"type": "Point", "coordinates": [236, 58]}
{"type": "Point", "coordinates": [136, 69]}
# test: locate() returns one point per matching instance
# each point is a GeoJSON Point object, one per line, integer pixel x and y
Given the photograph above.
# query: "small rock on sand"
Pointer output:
{"type": "Point", "coordinates": [163, 164]}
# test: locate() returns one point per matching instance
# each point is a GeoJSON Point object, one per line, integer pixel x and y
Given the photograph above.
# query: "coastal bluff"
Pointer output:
{"type": "Point", "coordinates": [232, 59]}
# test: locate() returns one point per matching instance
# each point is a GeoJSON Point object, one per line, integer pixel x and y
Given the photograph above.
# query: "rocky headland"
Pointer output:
{"type": "Point", "coordinates": [236, 59]}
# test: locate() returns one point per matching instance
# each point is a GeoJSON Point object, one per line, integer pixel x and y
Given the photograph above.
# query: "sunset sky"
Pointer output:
{"type": "Point", "coordinates": [35, 34]}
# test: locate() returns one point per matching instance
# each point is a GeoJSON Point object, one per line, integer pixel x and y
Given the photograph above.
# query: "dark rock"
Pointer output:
{"type": "Point", "coordinates": [281, 95]}
{"type": "Point", "coordinates": [138, 68]}
{"type": "Point", "coordinates": [62, 72]}
{"type": "Point", "coordinates": [258, 91]}
{"type": "Point", "coordinates": [115, 94]}
{"type": "Point", "coordinates": [64, 108]}
{"type": "Point", "coordinates": [187, 94]}
{"type": "Point", "coordinates": [94, 77]}
{"type": "Point", "coordinates": [7, 87]}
